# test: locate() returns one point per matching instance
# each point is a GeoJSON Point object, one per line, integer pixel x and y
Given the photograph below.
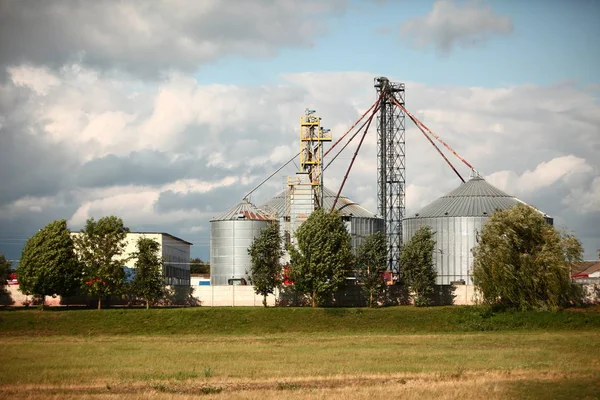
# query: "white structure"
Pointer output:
{"type": "Point", "coordinates": [174, 251]}
{"type": "Point", "coordinates": [231, 234]}
{"type": "Point", "coordinates": [456, 220]}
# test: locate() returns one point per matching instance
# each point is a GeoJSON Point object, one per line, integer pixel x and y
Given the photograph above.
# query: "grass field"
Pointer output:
{"type": "Point", "coordinates": [254, 353]}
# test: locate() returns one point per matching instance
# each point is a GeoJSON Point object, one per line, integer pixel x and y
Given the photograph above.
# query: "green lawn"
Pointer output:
{"type": "Point", "coordinates": [259, 321]}
{"type": "Point", "coordinates": [255, 353]}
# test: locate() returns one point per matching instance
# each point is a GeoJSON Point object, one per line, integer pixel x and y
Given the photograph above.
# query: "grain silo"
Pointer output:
{"type": "Point", "coordinates": [231, 234]}
{"type": "Point", "coordinates": [359, 221]}
{"type": "Point", "coordinates": [456, 219]}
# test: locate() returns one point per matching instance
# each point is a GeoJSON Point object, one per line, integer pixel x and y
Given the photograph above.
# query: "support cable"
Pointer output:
{"type": "Point", "coordinates": [353, 158]}
{"type": "Point", "coordinates": [270, 176]}
{"type": "Point", "coordinates": [438, 149]}
{"type": "Point", "coordinates": [350, 140]}
{"type": "Point", "coordinates": [352, 127]}
{"type": "Point", "coordinates": [419, 123]}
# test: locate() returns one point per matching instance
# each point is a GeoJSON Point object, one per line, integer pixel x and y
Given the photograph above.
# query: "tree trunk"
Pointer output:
{"type": "Point", "coordinates": [147, 304]}
{"type": "Point", "coordinates": [265, 300]}
{"type": "Point", "coordinates": [314, 298]}
{"type": "Point", "coordinates": [43, 303]}
{"type": "Point", "coordinates": [370, 299]}
{"type": "Point", "coordinates": [99, 302]}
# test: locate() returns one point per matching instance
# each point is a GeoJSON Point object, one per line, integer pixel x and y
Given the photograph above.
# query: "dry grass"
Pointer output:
{"type": "Point", "coordinates": [444, 366]}
{"type": "Point", "coordinates": [465, 386]}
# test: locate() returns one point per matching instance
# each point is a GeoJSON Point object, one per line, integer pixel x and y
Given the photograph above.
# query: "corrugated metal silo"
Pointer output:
{"type": "Point", "coordinates": [231, 234]}
{"type": "Point", "coordinates": [456, 219]}
{"type": "Point", "coordinates": [360, 222]}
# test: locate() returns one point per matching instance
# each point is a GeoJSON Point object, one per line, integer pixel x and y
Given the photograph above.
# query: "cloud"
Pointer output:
{"type": "Point", "coordinates": [157, 36]}
{"type": "Point", "coordinates": [449, 25]}
{"type": "Point", "coordinates": [173, 154]}
{"type": "Point", "coordinates": [585, 200]}
{"type": "Point", "coordinates": [544, 175]}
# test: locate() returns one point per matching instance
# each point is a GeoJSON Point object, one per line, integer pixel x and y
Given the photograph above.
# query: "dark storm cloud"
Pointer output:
{"type": "Point", "coordinates": [215, 201]}
{"type": "Point", "coordinates": [145, 38]}
{"type": "Point", "coordinates": [30, 165]}
{"type": "Point", "coordinates": [146, 167]}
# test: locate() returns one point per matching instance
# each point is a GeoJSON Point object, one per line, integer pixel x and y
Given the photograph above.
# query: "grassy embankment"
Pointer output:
{"type": "Point", "coordinates": [452, 352]}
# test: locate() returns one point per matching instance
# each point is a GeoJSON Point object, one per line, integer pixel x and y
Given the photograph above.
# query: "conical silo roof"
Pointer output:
{"type": "Point", "coordinates": [244, 210]}
{"type": "Point", "coordinates": [345, 206]}
{"type": "Point", "coordinates": [473, 198]}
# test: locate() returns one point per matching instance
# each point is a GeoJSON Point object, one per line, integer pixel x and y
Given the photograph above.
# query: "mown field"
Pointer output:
{"type": "Point", "coordinates": [255, 353]}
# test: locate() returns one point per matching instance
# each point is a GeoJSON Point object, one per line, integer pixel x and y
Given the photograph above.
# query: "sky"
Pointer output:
{"type": "Point", "coordinates": [166, 113]}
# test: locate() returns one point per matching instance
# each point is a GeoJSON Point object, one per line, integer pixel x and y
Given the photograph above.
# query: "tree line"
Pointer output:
{"type": "Point", "coordinates": [56, 262]}
{"type": "Point", "coordinates": [520, 261]}
{"type": "Point", "coordinates": [322, 259]}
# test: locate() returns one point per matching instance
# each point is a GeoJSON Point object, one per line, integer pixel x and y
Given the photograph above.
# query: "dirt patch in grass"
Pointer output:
{"type": "Point", "coordinates": [459, 385]}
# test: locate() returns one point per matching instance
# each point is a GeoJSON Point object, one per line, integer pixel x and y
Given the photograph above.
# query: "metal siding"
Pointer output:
{"type": "Point", "coordinates": [346, 207]}
{"type": "Point", "coordinates": [473, 198]}
{"type": "Point", "coordinates": [360, 228]}
{"type": "Point", "coordinates": [455, 237]}
{"type": "Point", "coordinates": [229, 248]}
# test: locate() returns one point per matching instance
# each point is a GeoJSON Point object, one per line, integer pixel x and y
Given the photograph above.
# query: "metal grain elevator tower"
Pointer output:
{"type": "Point", "coordinates": [391, 167]}
{"type": "Point", "coordinates": [305, 189]}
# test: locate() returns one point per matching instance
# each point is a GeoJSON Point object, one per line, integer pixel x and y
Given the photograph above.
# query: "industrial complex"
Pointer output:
{"type": "Point", "coordinates": [456, 218]}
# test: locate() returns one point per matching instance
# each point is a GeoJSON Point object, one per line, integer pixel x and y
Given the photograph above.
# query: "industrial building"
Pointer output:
{"type": "Point", "coordinates": [232, 232]}
{"type": "Point", "coordinates": [359, 221]}
{"type": "Point", "coordinates": [174, 251]}
{"type": "Point", "coordinates": [457, 218]}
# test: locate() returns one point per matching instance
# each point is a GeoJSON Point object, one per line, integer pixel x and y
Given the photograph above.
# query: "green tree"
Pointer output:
{"type": "Point", "coordinates": [148, 282]}
{"type": "Point", "coordinates": [197, 266]}
{"type": "Point", "coordinates": [265, 254]}
{"type": "Point", "coordinates": [99, 246]}
{"type": "Point", "coordinates": [523, 262]}
{"type": "Point", "coordinates": [48, 264]}
{"type": "Point", "coordinates": [572, 249]}
{"type": "Point", "coordinates": [416, 262]}
{"type": "Point", "coordinates": [371, 260]}
{"type": "Point", "coordinates": [5, 269]}
{"type": "Point", "coordinates": [321, 257]}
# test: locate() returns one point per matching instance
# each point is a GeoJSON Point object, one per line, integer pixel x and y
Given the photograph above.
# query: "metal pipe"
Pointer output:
{"type": "Point", "coordinates": [270, 176]}
{"type": "Point", "coordinates": [351, 128]}
{"type": "Point", "coordinates": [350, 140]}
{"type": "Point", "coordinates": [438, 149]}
{"type": "Point", "coordinates": [353, 158]}
{"type": "Point", "coordinates": [416, 121]}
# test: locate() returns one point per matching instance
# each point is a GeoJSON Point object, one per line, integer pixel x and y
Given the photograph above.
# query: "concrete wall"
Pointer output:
{"type": "Point", "coordinates": [465, 295]}
{"type": "Point", "coordinates": [230, 296]}
{"type": "Point", "coordinates": [244, 296]}
{"type": "Point", "coordinates": [11, 296]}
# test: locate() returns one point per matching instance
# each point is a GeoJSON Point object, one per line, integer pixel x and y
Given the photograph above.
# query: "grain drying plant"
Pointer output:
{"type": "Point", "coordinates": [456, 219]}
{"type": "Point", "coordinates": [233, 231]}
{"type": "Point", "coordinates": [359, 221]}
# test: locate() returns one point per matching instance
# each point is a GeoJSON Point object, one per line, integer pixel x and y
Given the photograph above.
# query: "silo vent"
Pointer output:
{"type": "Point", "coordinates": [241, 215]}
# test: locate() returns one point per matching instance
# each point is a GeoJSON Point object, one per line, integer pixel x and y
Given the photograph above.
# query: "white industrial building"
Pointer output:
{"type": "Point", "coordinates": [174, 251]}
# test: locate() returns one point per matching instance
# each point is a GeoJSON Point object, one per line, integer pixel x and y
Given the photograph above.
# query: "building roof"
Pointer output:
{"type": "Point", "coordinates": [474, 198]}
{"type": "Point", "coordinates": [243, 211]}
{"type": "Point", "coordinates": [346, 207]}
{"type": "Point", "coordinates": [151, 233]}
{"type": "Point", "coordinates": [585, 268]}
{"type": "Point", "coordinates": [166, 234]}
